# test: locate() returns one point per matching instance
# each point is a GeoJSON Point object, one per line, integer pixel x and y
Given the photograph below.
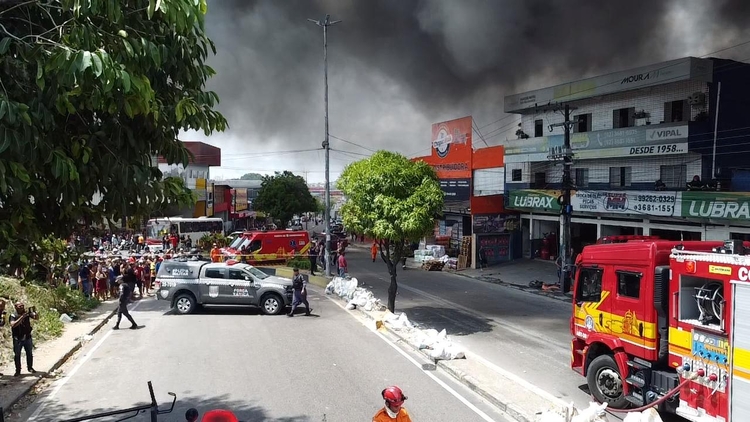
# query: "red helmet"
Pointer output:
{"type": "Point", "coordinates": [219, 416]}
{"type": "Point", "coordinates": [394, 396]}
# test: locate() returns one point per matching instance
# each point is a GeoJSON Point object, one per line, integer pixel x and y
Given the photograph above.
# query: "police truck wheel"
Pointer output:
{"type": "Point", "coordinates": [605, 382]}
{"type": "Point", "coordinates": [272, 304]}
{"type": "Point", "coordinates": [184, 304]}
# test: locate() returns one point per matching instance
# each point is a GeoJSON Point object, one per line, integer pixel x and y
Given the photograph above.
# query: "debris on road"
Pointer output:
{"type": "Point", "coordinates": [437, 343]}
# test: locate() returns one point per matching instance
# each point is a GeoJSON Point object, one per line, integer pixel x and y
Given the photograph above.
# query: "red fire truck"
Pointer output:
{"type": "Point", "coordinates": [667, 324]}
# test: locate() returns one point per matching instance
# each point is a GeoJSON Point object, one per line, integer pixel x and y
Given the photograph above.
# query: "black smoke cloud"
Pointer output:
{"type": "Point", "coordinates": [396, 66]}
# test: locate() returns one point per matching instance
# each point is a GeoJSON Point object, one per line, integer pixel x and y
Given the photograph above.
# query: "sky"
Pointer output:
{"type": "Point", "coordinates": [395, 67]}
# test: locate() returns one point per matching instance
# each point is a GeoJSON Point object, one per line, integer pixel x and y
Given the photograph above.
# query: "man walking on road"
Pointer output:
{"type": "Point", "coordinates": [20, 324]}
{"type": "Point", "coordinates": [374, 250]}
{"type": "Point", "coordinates": [300, 293]}
{"type": "Point", "coordinates": [125, 292]}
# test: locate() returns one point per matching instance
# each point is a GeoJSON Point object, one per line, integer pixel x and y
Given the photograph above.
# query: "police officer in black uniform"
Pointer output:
{"type": "Point", "coordinates": [126, 290]}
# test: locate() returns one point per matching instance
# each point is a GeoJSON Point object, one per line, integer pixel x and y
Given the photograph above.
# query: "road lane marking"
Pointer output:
{"type": "Point", "coordinates": [403, 353]}
{"type": "Point", "coordinates": [75, 369]}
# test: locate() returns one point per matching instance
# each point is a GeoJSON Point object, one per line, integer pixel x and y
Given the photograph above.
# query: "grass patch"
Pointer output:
{"type": "Point", "coordinates": [50, 304]}
{"type": "Point", "coordinates": [299, 262]}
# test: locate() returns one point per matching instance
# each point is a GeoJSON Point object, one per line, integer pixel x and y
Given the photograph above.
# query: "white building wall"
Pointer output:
{"type": "Point", "coordinates": [189, 174]}
{"type": "Point", "coordinates": [651, 100]}
{"type": "Point", "coordinates": [644, 169]}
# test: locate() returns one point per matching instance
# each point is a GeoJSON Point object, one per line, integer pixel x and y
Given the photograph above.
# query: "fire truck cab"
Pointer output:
{"type": "Point", "coordinates": [667, 324]}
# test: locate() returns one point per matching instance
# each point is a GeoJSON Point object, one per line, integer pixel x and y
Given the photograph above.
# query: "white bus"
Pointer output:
{"type": "Point", "coordinates": [194, 228]}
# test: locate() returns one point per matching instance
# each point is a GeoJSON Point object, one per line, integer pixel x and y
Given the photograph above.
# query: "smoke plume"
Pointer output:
{"type": "Point", "coordinates": [395, 67]}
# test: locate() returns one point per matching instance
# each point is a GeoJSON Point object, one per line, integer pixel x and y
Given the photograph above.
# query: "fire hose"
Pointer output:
{"type": "Point", "coordinates": [661, 399]}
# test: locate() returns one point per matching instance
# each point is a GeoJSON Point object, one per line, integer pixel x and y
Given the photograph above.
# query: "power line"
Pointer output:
{"type": "Point", "coordinates": [352, 143]}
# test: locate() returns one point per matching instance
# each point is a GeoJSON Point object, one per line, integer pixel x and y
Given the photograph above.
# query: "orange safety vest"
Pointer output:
{"type": "Point", "coordinates": [215, 255]}
{"type": "Point", "coordinates": [382, 416]}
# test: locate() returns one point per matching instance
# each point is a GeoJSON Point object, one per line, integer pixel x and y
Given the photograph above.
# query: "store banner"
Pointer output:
{"type": "Point", "coordinates": [649, 203]}
{"type": "Point", "coordinates": [452, 149]}
{"type": "Point", "coordinates": [456, 189]}
{"type": "Point", "coordinates": [716, 205]}
{"type": "Point", "coordinates": [495, 223]}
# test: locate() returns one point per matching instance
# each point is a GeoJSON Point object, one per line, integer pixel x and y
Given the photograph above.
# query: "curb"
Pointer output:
{"type": "Point", "coordinates": [60, 362]}
{"type": "Point", "coordinates": [504, 405]}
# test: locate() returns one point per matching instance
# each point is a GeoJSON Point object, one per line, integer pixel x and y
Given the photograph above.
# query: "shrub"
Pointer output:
{"type": "Point", "coordinates": [299, 262]}
{"type": "Point", "coordinates": [49, 303]}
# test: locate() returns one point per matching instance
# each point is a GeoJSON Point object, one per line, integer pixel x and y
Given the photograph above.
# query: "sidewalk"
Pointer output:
{"type": "Point", "coordinates": [518, 274]}
{"type": "Point", "coordinates": [50, 355]}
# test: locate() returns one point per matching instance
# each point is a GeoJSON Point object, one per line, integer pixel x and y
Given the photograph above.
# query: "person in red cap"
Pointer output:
{"type": "Point", "coordinates": [219, 416]}
{"type": "Point", "coordinates": [393, 410]}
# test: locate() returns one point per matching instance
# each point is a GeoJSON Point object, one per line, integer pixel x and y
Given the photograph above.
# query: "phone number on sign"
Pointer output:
{"type": "Point", "coordinates": [654, 208]}
{"type": "Point", "coordinates": [655, 198]}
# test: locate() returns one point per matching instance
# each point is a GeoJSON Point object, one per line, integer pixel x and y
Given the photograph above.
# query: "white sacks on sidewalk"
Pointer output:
{"type": "Point", "coordinates": [595, 413]}
{"type": "Point", "coordinates": [648, 415]}
{"type": "Point", "coordinates": [346, 288]}
{"type": "Point", "coordinates": [439, 346]}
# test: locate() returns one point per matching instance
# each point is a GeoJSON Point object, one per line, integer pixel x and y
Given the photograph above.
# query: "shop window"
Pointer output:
{"type": "Point", "coordinates": [582, 178]}
{"type": "Point", "coordinates": [676, 111]}
{"type": "Point", "coordinates": [628, 284]}
{"type": "Point", "coordinates": [620, 177]}
{"type": "Point", "coordinates": [538, 128]}
{"type": "Point", "coordinates": [623, 117]}
{"type": "Point", "coordinates": [583, 123]}
{"type": "Point", "coordinates": [673, 176]}
{"type": "Point", "coordinates": [516, 175]}
{"type": "Point", "coordinates": [589, 287]}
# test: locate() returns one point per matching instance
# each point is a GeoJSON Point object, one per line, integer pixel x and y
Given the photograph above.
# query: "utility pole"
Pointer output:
{"type": "Point", "coordinates": [564, 154]}
{"type": "Point", "coordinates": [327, 213]}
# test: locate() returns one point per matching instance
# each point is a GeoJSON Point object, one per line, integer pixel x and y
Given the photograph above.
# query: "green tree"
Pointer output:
{"type": "Point", "coordinates": [394, 200]}
{"type": "Point", "coordinates": [90, 91]}
{"type": "Point", "coordinates": [252, 176]}
{"type": "Point", "coordinates": [283, 195]}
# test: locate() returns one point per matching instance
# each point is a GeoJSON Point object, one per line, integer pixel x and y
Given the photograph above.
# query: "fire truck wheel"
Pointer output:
{"type": "Point", "coordinates": [605, 382]}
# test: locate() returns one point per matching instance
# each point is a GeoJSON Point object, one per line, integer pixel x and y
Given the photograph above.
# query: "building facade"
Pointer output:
{"type": "Point", "coordinates": [472, 180]}
{"type": "Point", "coordinates": [649, 155]}
{"type": "Point", "coordinates": [196, 174]}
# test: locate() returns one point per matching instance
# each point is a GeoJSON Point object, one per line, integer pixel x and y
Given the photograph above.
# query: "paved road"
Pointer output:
{"type": "Point", "coordinates": [325, 367]}
{"type": "Point", "coordinates": [520, 332]}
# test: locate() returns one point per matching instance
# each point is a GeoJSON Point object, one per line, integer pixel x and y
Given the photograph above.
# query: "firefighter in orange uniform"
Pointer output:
{"type": "Point", "coordinates": [393, 410]}
{"type": "Point", "coordinates": [215, 254]}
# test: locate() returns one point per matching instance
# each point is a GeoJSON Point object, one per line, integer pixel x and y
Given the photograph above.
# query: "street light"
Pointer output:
{"type": "Point", "coordinates": [327, 213]}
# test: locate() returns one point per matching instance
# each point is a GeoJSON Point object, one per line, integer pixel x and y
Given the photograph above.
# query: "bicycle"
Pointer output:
{"type": "Point", "coordinates": [152, 407]}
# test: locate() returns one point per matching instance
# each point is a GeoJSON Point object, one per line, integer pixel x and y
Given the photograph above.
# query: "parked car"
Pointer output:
{"type": "Point", "coordinates": [188, 284]}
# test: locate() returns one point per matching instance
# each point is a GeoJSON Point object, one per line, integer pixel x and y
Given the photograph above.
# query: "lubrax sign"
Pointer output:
{"type": "Point", "coordinates": [692, 205]}
{"type": "Point", "coordinates": [535, 202]}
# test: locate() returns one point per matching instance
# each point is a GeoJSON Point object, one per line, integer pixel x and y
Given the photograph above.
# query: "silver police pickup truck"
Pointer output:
{"type": "Point", "coordinates": [188, 284]}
